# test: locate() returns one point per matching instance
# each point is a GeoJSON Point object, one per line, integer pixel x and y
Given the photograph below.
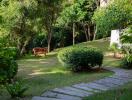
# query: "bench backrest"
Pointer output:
{"type": "Point", "coordinates": [39, 49]}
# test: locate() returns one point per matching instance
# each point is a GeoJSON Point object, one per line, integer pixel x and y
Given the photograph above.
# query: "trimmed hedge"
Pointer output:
{"type": "Point", "coordinates": [8, 69]}
{"type": "Point", "coordinates": [80, 58]}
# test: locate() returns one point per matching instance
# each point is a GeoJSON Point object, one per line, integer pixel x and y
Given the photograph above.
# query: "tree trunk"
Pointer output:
{"type": "Point", "coordinates": [49, 40]}
{"type": "Point", "coordinates": [95, 28]}
{"type": "Point", "coordinates": [85, 31]}
{"type": "Point", "coordinates": [89, 32]}
{"type": "Point", "coordinates": [23, 49]}
{"type": "Point", "coordinates": [73, 33]}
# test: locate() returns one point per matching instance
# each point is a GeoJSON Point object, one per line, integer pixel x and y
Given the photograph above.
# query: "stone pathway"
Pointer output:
{"type": "Point", "coordinates": [78, 91]}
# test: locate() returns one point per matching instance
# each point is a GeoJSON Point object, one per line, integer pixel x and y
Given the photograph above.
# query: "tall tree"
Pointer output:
{"type": "Point", "coordinates": [117, 15]}
{"type": "Point", "coordinates": [72, 15]}
{"type": "Point", "coordinates": [18, 19]}
{"type": "Point", "coordinates": [48, 11]}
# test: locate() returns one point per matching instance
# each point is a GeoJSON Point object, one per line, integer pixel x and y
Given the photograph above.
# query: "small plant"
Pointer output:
{"type": "Point", "coordinates": [114, 47]}
{"type": "Point", "coordinates": [16, 89]}
{"type": "Point", "coordinates": [80, 58]}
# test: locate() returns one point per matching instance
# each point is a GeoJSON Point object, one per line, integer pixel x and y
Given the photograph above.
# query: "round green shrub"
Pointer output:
{"type": "Point", "coordinates": [80, 58]}
{"type": "Point", "coordinates": [8, 69]}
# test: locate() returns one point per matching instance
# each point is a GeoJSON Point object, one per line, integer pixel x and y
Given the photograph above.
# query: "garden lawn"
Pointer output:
{"type": "Point", "coordinates": [122, 93]}
{"type": "Point", "coordinates": [44, 73]}
{"type": "Point", "coordinates": [41, 74]}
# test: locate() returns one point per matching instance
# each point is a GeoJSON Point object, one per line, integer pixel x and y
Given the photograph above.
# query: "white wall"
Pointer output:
{"type": "Point", "coordinates": [115, 37]}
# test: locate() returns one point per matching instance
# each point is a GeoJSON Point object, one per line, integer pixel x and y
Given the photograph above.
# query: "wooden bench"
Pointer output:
{"type": "Point", "coordinates": [38, 50]}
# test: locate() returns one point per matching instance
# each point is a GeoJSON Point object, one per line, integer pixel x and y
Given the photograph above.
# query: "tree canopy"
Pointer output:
{"type": "Point", "coordinates": [117, 15]}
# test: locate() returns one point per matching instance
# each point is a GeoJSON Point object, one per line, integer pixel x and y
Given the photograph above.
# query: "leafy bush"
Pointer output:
{"type": "Point", "coordinates": [16, 89]}
{"type": "Point", "coordinates": [115, 48]}
{"type": "Point", "coordinates": [127, 62]}
{"type": "Point", "coordinates": [127, 48]}
{"type": "Point", "coordinates": [126, 35]}
{"type": "Point", "coordinates": [8, 69]}
{"type": "Point", "coordinates": [80, 58]}
{"type": "Point", "coordinates": [10, 52]}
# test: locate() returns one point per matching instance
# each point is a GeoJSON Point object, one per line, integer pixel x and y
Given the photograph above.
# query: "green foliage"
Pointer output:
{"type": "Point", "coordinates": [19, 21]}
{"type": "Point", "coordinates": [8, 69]}
{"type": "Point", "coordinates": [127, 62]}
{"type": "Point", "coordinates": [127, 48]}
{"type": "Point", "coordinates": [116, 15]}
{"type": "Point", "coordinates": [72, 14]}
{"type": "Point", "coordinates": [80, 58]}
{"type": "Point", "coordinates": [10, 52]}
{"type": "Point", "coordinates": [48, 12]}
{"type": "Point", "coordinates": [114, 47]}
{"type": "Point", "coordinates": [16, 89]}
{"type": "Point", "coordinates": [126, 36]}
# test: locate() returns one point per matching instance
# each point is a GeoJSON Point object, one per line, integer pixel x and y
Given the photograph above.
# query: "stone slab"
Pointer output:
{"type": "Point", "coordinates": [45, 98]}
{"type": "Point", "coordinates": [79, 86]}
{"type": "Point", "coordinates": [96, 86]}
{"type": "Point", "coordinates": [69, 92]}
{"type": "Point", "coordinates": [107, 84]}
{"type": "Point", "coordinates": [121, 78]}
{"type": "Point", "coordinates": [114, 81]}
{"type": "Point", "coordinates": [78, 90]}
{"type": "Point", "coordinates": [117, 81]}
{"type": "Point", "coordinates": [60, 96]}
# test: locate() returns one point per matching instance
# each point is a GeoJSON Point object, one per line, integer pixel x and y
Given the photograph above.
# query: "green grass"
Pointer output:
{"type": "Point", "coordinates": [44, 73]}
{"type": "Point", "coordinates": [41, 74]}
{"type": "Point", "coordinates": [122, 93]}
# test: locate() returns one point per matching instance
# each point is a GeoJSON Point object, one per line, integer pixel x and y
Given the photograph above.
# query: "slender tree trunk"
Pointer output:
{"type": "Point", "coordinates": [95, 32]}
{"type": "Point", "coordinates": [49, 41]}
{"type": "Point", "coordinates": [89, 32]}
{"type": "Point", "coordinates": [23, 49]}
{"type": "Point", "coordinates": [85, 31]}
{"type": "Point", "coordinates": [73, 33]}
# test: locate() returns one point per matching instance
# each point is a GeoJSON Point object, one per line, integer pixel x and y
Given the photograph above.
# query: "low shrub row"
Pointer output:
{"type": "Point", "coordinates": [80, 58]}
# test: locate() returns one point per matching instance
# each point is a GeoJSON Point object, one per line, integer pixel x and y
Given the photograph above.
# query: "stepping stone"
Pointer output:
{"type": "Point", "coordinates": [78, 90]}
{"type": "Point", "coordinates": [60, 96]}
{"type": "Point", "coordinates": [107, 84]}
{"type": "Point", "coordinates": [96, 86]}
{"type": "Point", "coordinates": [117, 77]}
{"type": "Point", "coordinates": [125, 76]}
{"type": "Point", "coordinates": [122, 78]}
{"type": "Point", "coordinates": [69, 92]}
{"type": "Point", "coordinates": [118, 80]}
{"type": "Point", "coordinates": [108, 80]}
{"type": "Point", "coordinates": [45, 98]}
{"type": "Point", "coordinates": [79, 86]}
{"type": "Point", "coordinates": [114, 81]}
